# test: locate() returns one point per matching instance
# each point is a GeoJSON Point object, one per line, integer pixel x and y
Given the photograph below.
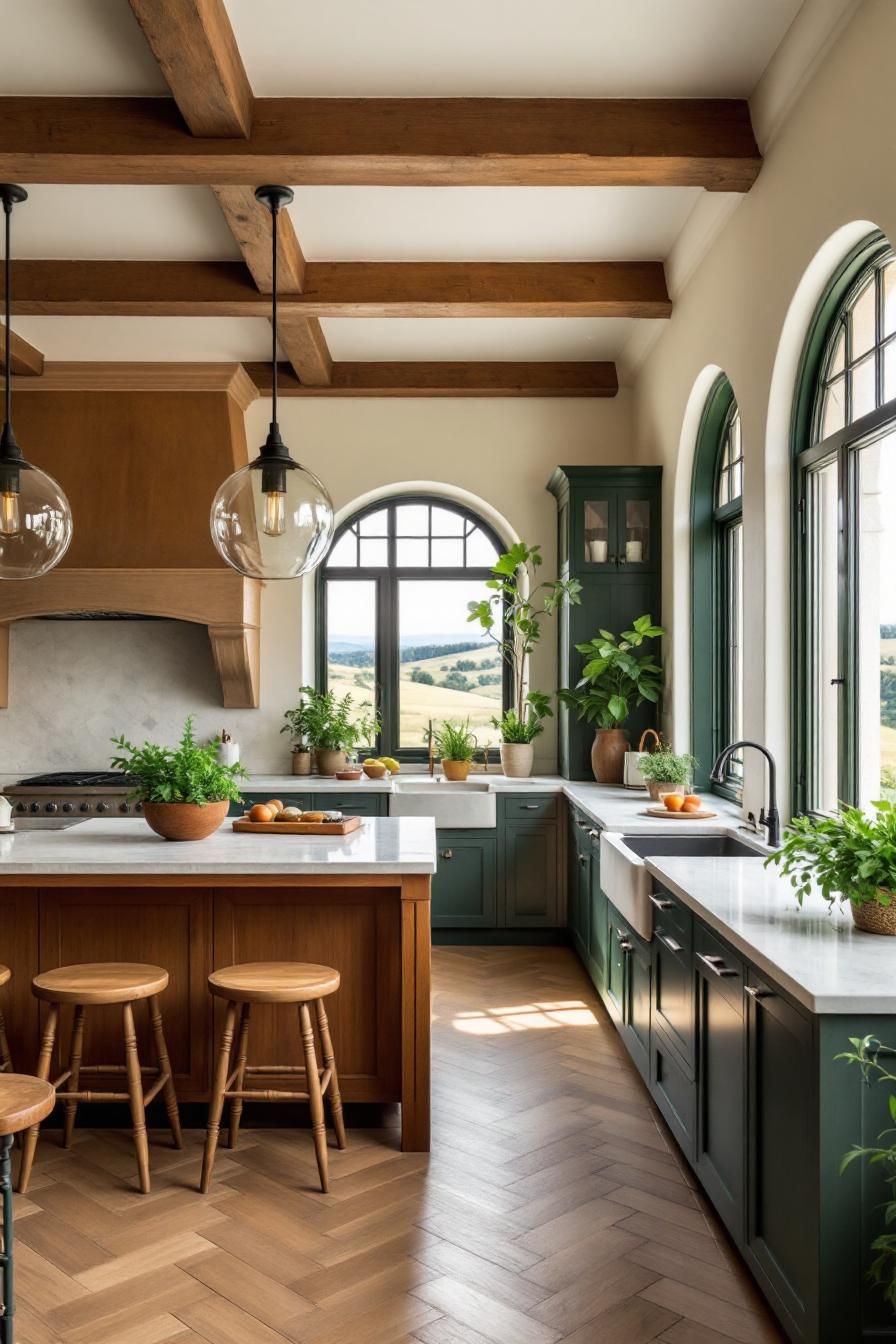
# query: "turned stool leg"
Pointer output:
{"type": "Point", "coordinates": [329, 1062]}
{"type": "Point", "coordinates": [236, 1106]}
{"type": "Point", "coordinates": [135, 1094]}
{"type": "Point", "coordinates": [43, 1072]}
{"type": "Point", "coordinates": [164, 1063]}
{"type": "Point", "coordinates": [74, 1064]}
{"type": "Point", "coordinates": [9, 1301]}
{"type": "Point", "coordinates": [216, 1105]}
{"type": "Point", "coordinates": [316, 1102]}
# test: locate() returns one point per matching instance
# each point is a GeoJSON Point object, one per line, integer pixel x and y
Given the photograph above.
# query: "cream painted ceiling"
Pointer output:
{"type": "Point", "coordinates": [573, 48]}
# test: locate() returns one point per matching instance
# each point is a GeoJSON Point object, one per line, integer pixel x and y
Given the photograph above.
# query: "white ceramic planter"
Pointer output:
{"type": "Point", "coordinates": [517, 759]}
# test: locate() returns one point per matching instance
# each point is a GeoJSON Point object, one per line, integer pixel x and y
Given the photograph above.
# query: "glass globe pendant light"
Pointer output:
{"type": "Point", "coordinates": [272, 519]}
{"type": "Point", "coordinates": [35, 518]}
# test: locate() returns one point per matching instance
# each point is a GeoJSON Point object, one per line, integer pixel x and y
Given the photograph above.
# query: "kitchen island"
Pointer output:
{"type": "Point", "coordinates": [114, 891]}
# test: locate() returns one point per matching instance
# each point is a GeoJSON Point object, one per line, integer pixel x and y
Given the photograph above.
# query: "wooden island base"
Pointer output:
{"type": "Point", "coordinates": [375, 929]}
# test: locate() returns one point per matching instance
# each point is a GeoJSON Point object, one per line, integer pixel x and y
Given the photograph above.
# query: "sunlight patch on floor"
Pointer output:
{"type": "Point", "coordinates": [524, 1017]}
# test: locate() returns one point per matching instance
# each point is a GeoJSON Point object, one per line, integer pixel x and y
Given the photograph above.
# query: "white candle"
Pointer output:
{"type": "Point", "coordinates": [599, 552]}
{"type": "Point", "coordinates": [634, 550]}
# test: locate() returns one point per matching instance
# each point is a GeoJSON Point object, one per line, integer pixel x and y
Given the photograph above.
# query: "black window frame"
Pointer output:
{"type": "Point", "coordinates": [387, 579]}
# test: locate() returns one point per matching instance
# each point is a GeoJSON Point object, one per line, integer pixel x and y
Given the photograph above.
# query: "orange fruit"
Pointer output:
{"type": "Point", "coordinates": [260, 813]}
{"type": "Point", "coordinates": [691, 805]}
{"type": "Point", "coordinates": [673, 802]}
{"type": "Point", "coordinates": [275, 805]}
{"type": "Point", "coordinates": [691, 798]}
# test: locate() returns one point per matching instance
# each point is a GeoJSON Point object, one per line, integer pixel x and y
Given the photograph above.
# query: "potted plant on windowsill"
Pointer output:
{"type": "Point", "coordinates": [456, 745]}
{"type": "Point", "coordinates": [186, 792]}
{"type": "Point", "coordinates": [614, 681]}
{"type": "Point", "coordinates": [514, 610]}
{"type": "Point", "coordinates": [335, 728]}
{"type": "Point", "coordinates": [297, 726]}
{"type": "Point", "coordinates": [665, 770]}
{"type": "Point", "coordinates": [849, 857]}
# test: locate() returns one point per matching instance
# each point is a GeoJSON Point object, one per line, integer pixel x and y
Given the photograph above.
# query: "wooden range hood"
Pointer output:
{"type": "Point", "coordinates": [140, 450]}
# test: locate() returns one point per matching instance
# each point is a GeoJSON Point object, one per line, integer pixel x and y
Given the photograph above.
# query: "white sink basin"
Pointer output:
{"type": "Point", "coordinates": [468, 804]}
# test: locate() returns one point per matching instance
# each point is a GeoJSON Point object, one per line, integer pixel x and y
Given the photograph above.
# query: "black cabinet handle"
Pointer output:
{"type": "Point", "coordinates": [673, 946]}
{"type": "Point", "coordinates": [715, 964]}
{"type": "Point", "coordinates": [756, 993]}
{"type": "Point", "coordinates": [583, 859]}
{"type": "Point", "coordinates": [595, 835]}
{"type": "Point", "coordinates": [660, 902]}
{"type": "Point", "coordinates": [528, 807]}
{"type": "Point", "coordinates": [446, 854]}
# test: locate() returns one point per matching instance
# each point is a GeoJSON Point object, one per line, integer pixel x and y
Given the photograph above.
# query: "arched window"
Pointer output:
{"type": "Point", "coordinates": [717, 567]}
{"type": "Point", "coordinates": [845, 682]}
{"type": "Point", "coordinates": [392, 619]}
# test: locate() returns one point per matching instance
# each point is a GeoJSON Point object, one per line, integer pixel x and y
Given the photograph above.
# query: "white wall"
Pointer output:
{"type": "Point", "coordinates": [827, 180]}
{"type": "Point", "coordinates": [75, 684]}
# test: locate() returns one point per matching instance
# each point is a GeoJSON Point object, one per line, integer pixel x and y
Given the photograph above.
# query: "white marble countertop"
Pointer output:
{"type": "Point", "coordinates": [128, 847]}
{"type": "Point", "coordinates": [821, 959]}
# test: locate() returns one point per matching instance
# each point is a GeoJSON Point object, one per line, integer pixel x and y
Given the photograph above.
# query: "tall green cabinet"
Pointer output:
{"type": "Point", "coordinates": [609, 538]}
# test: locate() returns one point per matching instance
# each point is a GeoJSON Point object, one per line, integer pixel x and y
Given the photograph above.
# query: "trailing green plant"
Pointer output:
{"type": "Point", "coordinates": [848, 856]}
{"type": "Point", "coordinates": [667, 767]}
{"type": "Point", "coordinates": [335, 723]}
{"type": "Point", "coordinates": [512, 616]}
{"type": "Point", "coordinates": [187, 773]}
{"type": "Point", "coordinates": [866, 1052]}
{"type": "Point", "coordinates": [454, 741]}
{"type": "Point", "coordinates": [297, 722]}
{"type": "Point", "coordinates": [512, 728]}
{"type": "Point", "coordinates": [615, 680]}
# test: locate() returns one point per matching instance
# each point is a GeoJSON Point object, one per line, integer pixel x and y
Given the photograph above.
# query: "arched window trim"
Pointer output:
{"type": "Point", "coordinates": [710, 523]}
{"type": "Point", "coordinates": [387, 577]}
{"type": "Point", "coordinates": [808, 450]}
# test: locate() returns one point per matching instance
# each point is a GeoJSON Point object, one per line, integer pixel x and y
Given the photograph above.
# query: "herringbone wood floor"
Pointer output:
{"type": "Point", "coordinates": [553, 1207]}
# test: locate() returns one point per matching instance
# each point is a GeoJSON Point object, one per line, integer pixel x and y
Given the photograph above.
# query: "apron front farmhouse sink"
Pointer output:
{"type": "Point", "coordinates": [466, 805]}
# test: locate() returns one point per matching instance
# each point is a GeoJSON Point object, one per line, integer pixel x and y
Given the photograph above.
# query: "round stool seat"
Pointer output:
{"type": "Point", "coordinates": [274, 982]}
{"type": "Point", "coordinates": [100, 982]}
{"type": "Point", "coordinates": [24, 1101]}
{"type": "Point", "coordinates": [5, 973]}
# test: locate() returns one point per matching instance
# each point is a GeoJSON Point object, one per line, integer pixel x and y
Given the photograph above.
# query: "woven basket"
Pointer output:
{"type": "Point", "coordinates": [874, 918]}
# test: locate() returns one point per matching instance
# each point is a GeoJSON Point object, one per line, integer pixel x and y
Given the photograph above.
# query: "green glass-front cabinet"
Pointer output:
{"type": "Point", "coordinates": [609, 538]}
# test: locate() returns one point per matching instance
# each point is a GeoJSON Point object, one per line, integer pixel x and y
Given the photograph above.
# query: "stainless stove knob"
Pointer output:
{"type": "Point", "coordinates": [102, 807]}
{"type": "Point", "coordinates": [123, 807]}
{"type": "Point", "coordinates": [51, 807]}
{"type": "Point", "coordinates": [66, 807]}
{"type": "Point", "coordinates": [20, 807]}
{"type": "Point", "coordinates": [85, 807]}
{"type": "Point", "coordinates": [35, 807]}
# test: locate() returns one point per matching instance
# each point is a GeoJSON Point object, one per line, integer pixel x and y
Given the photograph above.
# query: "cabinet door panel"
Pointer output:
{"type": "Point", "coordinates": [721, 1034]}
{"type": "Point", "coordinates": [530, 875]}
{"type": "Point", "coordinates": [637, 1004]}
{"type": "Point", "coordinates": [616, 959]}
{"type": "Point", "coordinates": [465, 884]}
{"type": "Point", "coordinates": [673, 989]}
{"type": "Point", "coordinates": [597, 944]}
{"type": "Point", "coordinates": [674, 1092]}
{"type": "Point", "coordinates": [781, 1181]}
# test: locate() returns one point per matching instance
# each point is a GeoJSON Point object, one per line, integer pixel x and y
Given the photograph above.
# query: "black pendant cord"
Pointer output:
{"type": "Point", "coordinates": [275, 210]}
{"type": "Point", "coordinates": [7, 276]}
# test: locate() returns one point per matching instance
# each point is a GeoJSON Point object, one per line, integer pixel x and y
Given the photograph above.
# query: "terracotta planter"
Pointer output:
{"type": "Point", "coordinates": [328, 762]}
{"type": "Point", "coordinates": [872, 918]}
{"type": "Point", "coordinates": [455, 770]}
{"type": "Point", "coordinates": [608, 755]}
{"type": "Point", "coordinates": [517, 759]}
{"type": "Point", "coordinates": [301, 762]}
{"type": "Point", "coordinates": [185, 821]}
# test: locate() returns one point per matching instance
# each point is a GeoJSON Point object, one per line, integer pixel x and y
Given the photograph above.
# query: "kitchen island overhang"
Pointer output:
{"type": "Point", "coordinates": [114, 891]}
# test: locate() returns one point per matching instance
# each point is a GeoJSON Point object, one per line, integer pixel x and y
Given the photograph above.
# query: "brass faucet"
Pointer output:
{"type": "Point", "coordinates": [432, 751]}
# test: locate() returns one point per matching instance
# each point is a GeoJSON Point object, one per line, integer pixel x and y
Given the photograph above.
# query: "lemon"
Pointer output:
{"type": "Point", "coordinates": [372, 760]}
{"type": "Point", "coordinates": [391, 764]}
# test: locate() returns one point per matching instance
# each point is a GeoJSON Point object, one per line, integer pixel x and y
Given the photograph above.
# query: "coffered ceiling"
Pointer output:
{"type": "Point", "coordinates": [557, 187]}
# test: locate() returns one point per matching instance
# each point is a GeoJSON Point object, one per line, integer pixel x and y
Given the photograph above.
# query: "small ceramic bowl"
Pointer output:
{"type": "Point", "coordinates": [348, 774]}
{"type": "Point", "coordinates": [374, 771]}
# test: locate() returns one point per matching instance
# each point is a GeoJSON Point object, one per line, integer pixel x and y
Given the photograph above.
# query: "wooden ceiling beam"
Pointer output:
{"type": "Point", "coordinates": [250, 224]}
{"type": "Point", "coordinates": [26, 362]}
{"type": "Point", "coordinates": [344, 289]}
{"type": "Point", "coordinates": [388, 141]}
{"type": "Point", "coordinates": [193, 42]}
{"type": "Point", "coordinates": [447, 379]}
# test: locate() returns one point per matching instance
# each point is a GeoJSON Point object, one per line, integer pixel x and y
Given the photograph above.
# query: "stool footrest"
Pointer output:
{"type": "Point", "coordinates": [152, 1092]}
{"type": "Point", "coordinates": [261, 1094]}
{"type": "Point", "coordinates": [93, 1096]}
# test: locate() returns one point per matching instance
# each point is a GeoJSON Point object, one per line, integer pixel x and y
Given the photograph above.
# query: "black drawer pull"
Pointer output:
{"type": "Point", "coordinates": [715, 964]}
{"type": "Point", "coordinates": [446, 854]}
{"type": "Point", "coordinates": [595, 835]}
{"type": "Point", "coordinates": [529, 807]}
{"type": "Point", "coordinates": [583, 859]}
{"type": "Point", "coordinates": [661, 903]}
{"type": "Point", "coordinates": [670, 943]}
{"type": "Point", "coordinates": [624, 943]}
{"type": "Point", "coordinates": [756, 993]}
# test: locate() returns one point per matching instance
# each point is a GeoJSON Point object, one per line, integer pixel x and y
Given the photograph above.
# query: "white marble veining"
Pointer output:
{"type": "Point", "coordinates": [129, 848]}
{"type": "Point", "coordinates": [822, 959]}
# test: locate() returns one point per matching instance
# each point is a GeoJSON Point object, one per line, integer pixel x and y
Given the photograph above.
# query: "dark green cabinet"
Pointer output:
{"type": "Point", "coordinates": [465, 884]}
{"type": "Point", "coordinates": [597, 917]}
{"type": "Point", "coordinates": [609, 538]}
{"type": "Point", "coordinates": [579, 856]}
{"type": "Point", "coordinates": [721, 1079]}
{"type": "Point", "coordinates": [355, 804]}
{"type": "Point", "coordinates": [673, 988]}
{"type": "Point", "coordinates": [529, 876]}
{"type": "Point", "coordinates": [672, 1088]}
{"type": "Point", "coordinates": [628, 982]}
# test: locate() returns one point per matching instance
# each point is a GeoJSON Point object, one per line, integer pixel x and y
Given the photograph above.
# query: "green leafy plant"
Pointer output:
{"type": "Point", "coordinates": [332, 723]}
{"type": "Point", "coordinates": [849, 856]}
{"type": "Point", "coordinates": [187, 773]}
{"type": "Point", "coordinates": [454, 741]}
{"type": "Point", "coordinates": [615, 680]}
{"type": "Point", "coordinates": [667, 767]}
{"type": "Point", "coordinates": [511, 617]}
{"type": "Point", "coordinates": [866, 1052]}
{"type": "Point", "coordinates": [524, 730]}
{"type": "Point", "coordinates": [297, 723]}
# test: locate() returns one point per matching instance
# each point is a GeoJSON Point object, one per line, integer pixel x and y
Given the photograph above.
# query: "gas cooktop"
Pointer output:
{"type": "Point", "coordinates": [79, 779]}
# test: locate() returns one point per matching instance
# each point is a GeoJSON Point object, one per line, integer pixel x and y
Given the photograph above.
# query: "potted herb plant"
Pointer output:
{"type": "Point", "coordinates": [456, 745]}
{"type": "Point", "coordinates": [297, 726]}
{"type": "Point", "coordinates": [665, 770]}
{"type": "Point", "coordinates": [615, 680]}
{"type": "Point", "coordinates": [334, 727]}
{"type": "Point", "coordinates": [185, 790]}
{"type": "Point", "coordinates": [511, 617]}
{"type": "Point", "coordinates": [850, 856]}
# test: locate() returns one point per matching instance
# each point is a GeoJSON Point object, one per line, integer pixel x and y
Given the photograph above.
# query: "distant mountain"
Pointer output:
{"type": "Point", "coordinates": [459, 640]}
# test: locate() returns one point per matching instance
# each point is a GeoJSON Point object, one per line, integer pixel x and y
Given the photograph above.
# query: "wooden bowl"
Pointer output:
{"type": "Point", "coordinates": [374, 771]}
{"type": "Point", "coordinates": [348, 774]}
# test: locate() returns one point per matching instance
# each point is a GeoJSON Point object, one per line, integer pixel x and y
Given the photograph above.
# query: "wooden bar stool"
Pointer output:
{"type": "Point", "coordinates": [90, 986]}
{"type": "Point", "coordinates": [5, 1056]}
{"type": "Point", "coordinates": [274, 982]}
{"type": "Point", "coordinates": [24, 1102]}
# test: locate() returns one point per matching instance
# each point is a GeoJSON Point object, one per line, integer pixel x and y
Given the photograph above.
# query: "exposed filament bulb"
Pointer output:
{"type": "Point", "coordinates": [10, 517]}
{"type": "Point", "coordinates": [274, 524]}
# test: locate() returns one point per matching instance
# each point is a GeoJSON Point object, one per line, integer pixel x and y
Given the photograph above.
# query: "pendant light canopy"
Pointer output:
{"type": "Point", "coordinates": [272, 519]}
{"type": "Point", "coordinates": [35, 518]}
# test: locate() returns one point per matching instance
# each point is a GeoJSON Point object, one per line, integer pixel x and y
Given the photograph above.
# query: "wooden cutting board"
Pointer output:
{"type": "Point", "coordinates": [344, 827]}
{"type": "Point", "coordinates": [679, 816]}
